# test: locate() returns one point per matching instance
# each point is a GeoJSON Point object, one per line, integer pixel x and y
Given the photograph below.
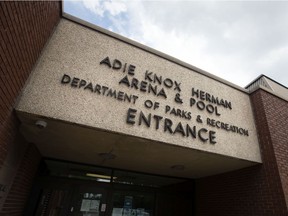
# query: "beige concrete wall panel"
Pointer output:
{"type": "Point", "coordinates": [77, 51]}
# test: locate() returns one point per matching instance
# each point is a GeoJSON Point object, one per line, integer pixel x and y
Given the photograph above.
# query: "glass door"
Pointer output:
{"type": "Point", "coordinates": [89, 201]}
{"type": "Point", "coordinates": [133, 203]}
{"type": "Point", "coordinates": [82, 190]}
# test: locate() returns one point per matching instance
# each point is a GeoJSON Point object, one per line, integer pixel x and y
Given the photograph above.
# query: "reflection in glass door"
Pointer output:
{"type": "Point", "coordinates": [89, 202]}
{"type": "Point", "coordinates": [132, 203]}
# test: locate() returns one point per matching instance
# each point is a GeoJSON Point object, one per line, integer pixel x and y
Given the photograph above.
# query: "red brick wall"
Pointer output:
{"type": "Point", "coordinates": [22, 183]}
{"type": "Point", "coordinates": [277, 117]}
{"type": "Point", "coordinates": [258, 190]}
{"type": "Point", "coordinates": [24, 29]}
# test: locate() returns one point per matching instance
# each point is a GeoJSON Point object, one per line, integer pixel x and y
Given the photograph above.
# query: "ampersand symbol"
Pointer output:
{"type": "Point", "coordinates": [178, 99]}
{"type": "Point", "coordinates": [198, 119]}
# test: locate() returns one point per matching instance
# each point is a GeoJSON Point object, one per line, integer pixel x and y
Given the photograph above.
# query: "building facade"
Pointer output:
{"type": "Point", "coordinates": [95, 124]}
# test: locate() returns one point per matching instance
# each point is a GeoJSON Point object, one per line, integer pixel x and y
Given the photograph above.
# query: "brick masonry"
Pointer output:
{"type": "Point", "coordinates": [276, 111]}
{"type": "Point", "coordinates": [24, 30]}
{"type": "Point", "coordinates": [258, 190]}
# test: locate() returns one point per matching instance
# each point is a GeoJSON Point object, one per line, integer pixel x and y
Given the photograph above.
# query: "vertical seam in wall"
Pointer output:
{"type": "Point", "coordinates": [256, 127]}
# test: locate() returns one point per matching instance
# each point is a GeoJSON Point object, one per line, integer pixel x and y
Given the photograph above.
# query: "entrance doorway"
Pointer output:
{"type": "Point", "coordinates": [72, 189]}
{"type": "Point", "coordinates": [88, 201]}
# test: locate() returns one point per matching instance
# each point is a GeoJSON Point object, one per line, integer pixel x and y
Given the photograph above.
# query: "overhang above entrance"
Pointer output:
{"type": "Point", "coordinates": [71, 142]}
